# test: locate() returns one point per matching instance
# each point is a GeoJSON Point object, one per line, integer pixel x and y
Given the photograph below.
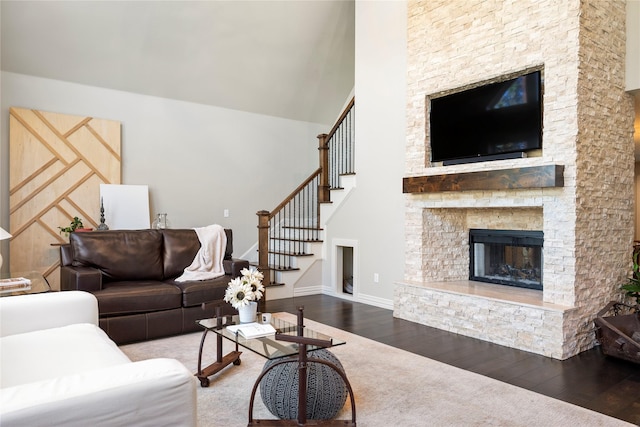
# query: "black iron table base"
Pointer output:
{"type": "Point", "coordinates": [221, 361]}
{"type": "Point", "coordinates": [303, 361]}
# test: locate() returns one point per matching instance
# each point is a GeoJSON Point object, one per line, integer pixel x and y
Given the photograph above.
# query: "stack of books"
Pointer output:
{"type": "Point", "coordinates": [253, 330]}
{"type": "Point", "coordinates": [14, 284]}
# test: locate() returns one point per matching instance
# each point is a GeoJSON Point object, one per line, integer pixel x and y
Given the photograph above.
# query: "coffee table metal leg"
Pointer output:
{"type": "Point", "coordinates": [204, 335]}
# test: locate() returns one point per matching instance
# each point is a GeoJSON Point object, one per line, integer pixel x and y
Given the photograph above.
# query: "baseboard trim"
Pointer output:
{"type": "Point", "coordinates": [308, 290]}
{"type": "Point", "coordinates": [364, 299]}
{"type": "Point", "coordinates": [376, 301]}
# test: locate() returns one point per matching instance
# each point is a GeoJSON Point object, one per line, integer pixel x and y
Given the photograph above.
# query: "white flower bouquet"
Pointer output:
{"type": "Point", "coordinates": [245, 289]}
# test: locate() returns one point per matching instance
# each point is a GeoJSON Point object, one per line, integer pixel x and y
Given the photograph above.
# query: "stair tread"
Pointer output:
{"type": "Point", "coordinates": [283, 268]}
{"type": "Point", "coordinates": [290, 253]}
{"type": "Point", "coordinates": [272, 267]}
{"type": "Point", "coordinates": [295, 240]}
{"type": "Point", "coordinates": [293, 227]}
{"type": "Point", "coordinates": [273, 285]}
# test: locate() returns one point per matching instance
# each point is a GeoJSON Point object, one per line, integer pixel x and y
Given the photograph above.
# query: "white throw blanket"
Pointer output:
{"type": "Point", "coordinates": [207, 263]}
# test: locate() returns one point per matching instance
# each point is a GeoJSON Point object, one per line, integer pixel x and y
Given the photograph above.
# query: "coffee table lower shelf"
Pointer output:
{"type": "Point", "coordinates": [220, 363]}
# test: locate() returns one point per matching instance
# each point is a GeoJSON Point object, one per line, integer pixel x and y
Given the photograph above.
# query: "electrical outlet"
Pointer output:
{"type": "Point", "coordinates": [226, 213]}
{"type": "Point", "coordinates": [376, 277]}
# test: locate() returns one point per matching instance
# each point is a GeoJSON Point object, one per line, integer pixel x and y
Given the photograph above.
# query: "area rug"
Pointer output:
{"type": "Point", "coordinates": [391, 387]}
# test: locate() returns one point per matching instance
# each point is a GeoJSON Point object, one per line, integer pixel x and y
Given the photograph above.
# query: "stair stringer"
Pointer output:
{"type": "Point", "coordinates": [338, 196]}
{"type": "Point", "coordinates": [289, 279]}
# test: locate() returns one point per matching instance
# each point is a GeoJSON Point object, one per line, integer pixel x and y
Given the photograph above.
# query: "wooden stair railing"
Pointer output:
{"type": "Point", "coordinates": [286, 232]}
{"type": "Point", "coordinates": [337, 149]}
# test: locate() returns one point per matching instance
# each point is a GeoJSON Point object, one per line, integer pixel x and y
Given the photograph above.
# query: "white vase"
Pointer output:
{"type": "Point", "coordinates": [248, 312]}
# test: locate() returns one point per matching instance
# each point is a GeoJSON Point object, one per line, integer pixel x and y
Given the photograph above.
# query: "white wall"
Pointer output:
{"type": "Point", "coordinates": [197, 160]}
{"type": "Point", "coordinates": [373, 215]}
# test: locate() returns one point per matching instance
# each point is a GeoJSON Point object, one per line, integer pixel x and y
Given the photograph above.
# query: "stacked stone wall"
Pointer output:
{"type": "Point", "coordinates": [605, 164]}
{"type": "Point", "coordinates": [521, 326]}
{"type": "Point", "coordinates": [579, 47]}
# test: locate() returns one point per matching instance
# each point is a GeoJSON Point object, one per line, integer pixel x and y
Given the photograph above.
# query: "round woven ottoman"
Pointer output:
{"type": "Point", "coordinates": [326, 391]}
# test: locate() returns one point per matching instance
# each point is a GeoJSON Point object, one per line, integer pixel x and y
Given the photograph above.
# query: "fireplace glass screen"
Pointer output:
{"type": "Point", "coordinates": [506, 257]}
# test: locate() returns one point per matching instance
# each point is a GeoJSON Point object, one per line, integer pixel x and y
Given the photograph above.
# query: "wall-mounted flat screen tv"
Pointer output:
{"type": "Point", "coordinates": [497, 120]}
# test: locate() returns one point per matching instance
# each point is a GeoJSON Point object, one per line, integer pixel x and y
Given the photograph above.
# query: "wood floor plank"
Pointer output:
{"type": "Point", "coordinates": [590, 379]}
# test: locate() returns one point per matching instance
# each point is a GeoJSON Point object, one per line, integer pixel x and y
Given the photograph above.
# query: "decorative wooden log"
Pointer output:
{"type": "Point", "coordinates": [504, 179]}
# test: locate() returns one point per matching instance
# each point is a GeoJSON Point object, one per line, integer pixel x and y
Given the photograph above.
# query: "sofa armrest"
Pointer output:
{"type": "Point", "coordinates": [80, 279]}
{"type": "Point", "coordinates": [154, 392]}
{"type": "Point", "coordinates": [233, 266]}
{"type": "Point", "coordinates": [66, 254]}
{"type": "Point", "coordinates": [26, 313]}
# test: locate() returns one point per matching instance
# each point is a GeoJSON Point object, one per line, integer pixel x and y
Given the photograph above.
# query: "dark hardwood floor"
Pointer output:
{"type": "Point", "coordinates": [590, 379]}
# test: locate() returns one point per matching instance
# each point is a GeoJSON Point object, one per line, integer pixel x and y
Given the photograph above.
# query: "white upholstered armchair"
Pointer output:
{"type": "Point", "coordinates": [57, 367]}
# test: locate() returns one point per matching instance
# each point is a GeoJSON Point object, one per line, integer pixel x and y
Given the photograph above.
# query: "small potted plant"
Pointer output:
{"type": "Point", "coordinates": [632, 287]}
{"type": "Point", "coordinates": [75, 225]}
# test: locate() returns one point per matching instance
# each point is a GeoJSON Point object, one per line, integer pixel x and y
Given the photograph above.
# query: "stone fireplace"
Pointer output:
{"type": "Point", "coordinates": [577, 190]}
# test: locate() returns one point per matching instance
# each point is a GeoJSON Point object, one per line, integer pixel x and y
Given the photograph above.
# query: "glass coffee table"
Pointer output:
{"type": "Point", "coordinates": [289, 339]}
{"type": "Point", "coordinates": [268, 347]}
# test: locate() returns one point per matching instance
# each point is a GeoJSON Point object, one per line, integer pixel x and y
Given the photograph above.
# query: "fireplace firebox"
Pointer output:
{"type": "Point", "coordinates": [506, 257]}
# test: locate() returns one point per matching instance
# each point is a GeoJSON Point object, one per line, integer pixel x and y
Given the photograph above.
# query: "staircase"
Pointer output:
{"type": "Point", "coordinates": [292, 253]}
{"type": "Point", "coordinates": [291, 237]}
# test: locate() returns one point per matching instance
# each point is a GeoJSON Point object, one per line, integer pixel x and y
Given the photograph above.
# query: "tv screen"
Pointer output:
{"type": "Point", "coordinates": [490, 120]}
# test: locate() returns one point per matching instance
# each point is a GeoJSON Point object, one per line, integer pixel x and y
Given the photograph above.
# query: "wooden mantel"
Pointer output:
{"type": "Point", "coordinates": [503, 179]}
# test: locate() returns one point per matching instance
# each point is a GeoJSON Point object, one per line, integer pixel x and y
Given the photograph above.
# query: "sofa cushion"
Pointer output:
{"type": "Point", "coordinates": [56, 352]}
{"type": "Point", "coordinates": [129, 328]}
{"type": "Point", "coordinates": [120, 255]}
{"type": "Point", "coordinates": [181, 247]}
{"type": "Point", "coordinates": [137, 297]}
{"type": "Point", "coordinates": [196, 292]}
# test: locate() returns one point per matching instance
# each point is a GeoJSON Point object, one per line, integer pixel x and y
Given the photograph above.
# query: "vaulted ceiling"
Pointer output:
{"type": "Point", "coordinates": [291, 59]}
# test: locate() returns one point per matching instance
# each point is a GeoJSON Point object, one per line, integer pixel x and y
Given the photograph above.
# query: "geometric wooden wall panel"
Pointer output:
{"type": "Point", "coordinates": [56, 165]}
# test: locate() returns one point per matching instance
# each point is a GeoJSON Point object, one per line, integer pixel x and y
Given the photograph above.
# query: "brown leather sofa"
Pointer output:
{"type": "Point", "coordinates": [132, 274]}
